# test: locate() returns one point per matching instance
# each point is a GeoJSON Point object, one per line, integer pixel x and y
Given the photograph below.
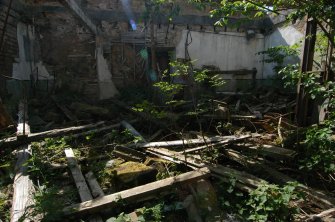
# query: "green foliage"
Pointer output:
{"type": "Point", "coordinates": [155, 8]}
{"type": "Point", "coordinates": [272, 203]}
{"type": "Point", "coordinates": [46, 204]}
{"type": "Point", "coordinates": [154, 214]}
{"type": "Point", "coordinates": [184, 71]}
{"type": "Point", "coordinates": [266, 203]}
{"type": "Point", "coordinates": [278, 54]}
{"type": "Point", "coordinates": [171, 170]}
{"type": "Point", "coordinates": [319, 149]}
{"type": "Point", "coordinates": [231, 198]}
{"type": "Point", "coordinates": [225, 9]}
{"type": "Point", "coordinates": [149, 108]}
{"type": "Point", "coordinates": [4, 208]}
{"type": "Point", "coordinates": [122, 217]}
{"type": "Point", "coordinates": [49, 151]}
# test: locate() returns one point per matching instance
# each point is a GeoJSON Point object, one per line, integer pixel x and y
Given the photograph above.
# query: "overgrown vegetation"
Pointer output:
{"type": "Point", "coordinates": [268, 202]}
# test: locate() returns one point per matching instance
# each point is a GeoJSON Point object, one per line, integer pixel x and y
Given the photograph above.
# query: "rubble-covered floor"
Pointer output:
{"type": "Point", "coordinates": [242, 140]}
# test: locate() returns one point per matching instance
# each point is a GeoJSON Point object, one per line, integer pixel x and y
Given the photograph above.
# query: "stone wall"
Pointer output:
{"type": "Point", "coordinates": [68, 44]}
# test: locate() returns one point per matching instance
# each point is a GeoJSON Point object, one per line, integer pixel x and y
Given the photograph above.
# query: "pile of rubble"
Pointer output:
{"type": "Point", "coordinates": [123, 166]}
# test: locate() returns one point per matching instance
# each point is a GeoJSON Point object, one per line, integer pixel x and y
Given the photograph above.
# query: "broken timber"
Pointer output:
{"type": "Point", "coordinates": [140, 193]}
{"type": "Point", "coordinates": [245, 181]}
{"type": "Point", "coordinates": [185, 142]}
{"type": "Point", "coordinates": [13, 141]}
{"type": "Point", "coordinates": [268, 150]}
{"type": "Point", "coordinates": [23, 187]}
{"type": "Point", "coordinates": [94, 185]}
{"type": "Point", "coordinates": [84, 191]}
{"type": "Point", "coordinates": [129, 154]}
{"type": "Point", "coordinates": [226, 140]}
{"type": "Point", "coordinates": [317, 197]}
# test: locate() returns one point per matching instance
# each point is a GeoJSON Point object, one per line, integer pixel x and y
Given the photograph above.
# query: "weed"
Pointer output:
{"type": "Point", "coordinates": [4, 208]}
{"type": "Point", "coordinates": [319, 149]}
{"type": "Point", "coordinates": [46, 204]}
{"type": "Point", "coordinates": [154, 214]}
{"type": "Point", "coordinates": [268, 202]}
{"type": "Point", "coordinates": [272, 203]}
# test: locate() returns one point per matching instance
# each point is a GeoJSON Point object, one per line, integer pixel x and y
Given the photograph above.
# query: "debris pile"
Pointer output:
{"type": "Point", "coordinates": [207, 164]}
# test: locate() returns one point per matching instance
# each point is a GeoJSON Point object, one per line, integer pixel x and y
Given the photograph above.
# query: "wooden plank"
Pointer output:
{"type": "Point", "coordinates": [186, 159]}
{"type": "Point", "coordinates": [184, 142]}
{"type": "Point", "coordinates": [137, 194]}
{"type": "Point", "coordinates": [227, 141]}
{"type": "Point", "coordinates": [84, 191]}
{"type": "Point", "coordinates": [23, 187]}
{"type": "Point", "coordinates": [129, 154]}
{"type": "Point", "coordinates": [12, 141]}
{"type": "Point", "coordinates": [94, 185]}
{"type": "Point", "coordinates": [268, 150]}
{"type": "Point", "coordinates": [245, 181]}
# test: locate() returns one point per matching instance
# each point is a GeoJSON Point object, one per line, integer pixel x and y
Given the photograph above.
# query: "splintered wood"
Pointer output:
{"type": "Point", "coordinates": [84, 191]}
{"type": "Point", "coordinates": [137, 194]}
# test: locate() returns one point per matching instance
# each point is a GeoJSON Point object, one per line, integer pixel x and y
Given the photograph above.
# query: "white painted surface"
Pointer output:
{"type": "Point", "coordinates": [286, 35]}
{"type": "Point", "coordinates": [24, 67]}
{"type": "Point", "coordinates": [106, 86]}
{"type": "Point", "coordinates": [228, 51]}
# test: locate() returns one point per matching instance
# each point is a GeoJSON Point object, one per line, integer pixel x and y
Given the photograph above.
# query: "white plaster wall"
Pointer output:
{"type": "Point", "coordinates": [228, 50]}
{"type": "Point", "coordinates": [23, 67]}
{"type": "Point", "coordinates": [106, 85]}
{"type": "Point", "coordinates": [286, 35]}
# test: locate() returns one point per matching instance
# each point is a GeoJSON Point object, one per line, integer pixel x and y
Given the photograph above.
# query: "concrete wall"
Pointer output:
{"type": "Point", "coordinates": [286, 35]}
{"type": "Point", "coordinates": [226, 50]}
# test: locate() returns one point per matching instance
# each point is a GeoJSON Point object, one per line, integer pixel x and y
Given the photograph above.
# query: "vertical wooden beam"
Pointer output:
{"type": "Point", "coordinates": [302, 109]}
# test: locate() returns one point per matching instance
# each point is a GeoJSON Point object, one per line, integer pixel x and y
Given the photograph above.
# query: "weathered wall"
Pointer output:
{"type": "Point", "coordinates": [68, 48]}
{"type": "Point", "coordinates": [286, 35]}
{"type": "Point", "coordinates": [68, 45]}
{"type": "Point", "coordinates": [226, 50]}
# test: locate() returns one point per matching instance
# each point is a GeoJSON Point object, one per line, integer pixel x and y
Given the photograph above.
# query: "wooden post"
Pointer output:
{"type": "Point", "coordinates": [303, 102]}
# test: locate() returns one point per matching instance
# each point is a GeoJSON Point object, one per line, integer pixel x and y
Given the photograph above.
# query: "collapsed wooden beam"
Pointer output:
{"type": "Point", "coordinates": [268, 150]}
{"type": "Point", "coordinates": [188, 141]}
{"type": "Point", "coordinates": [245, 181]}
{"type": "Point", "coordinates": [226, 141]}
{"type": "Point", "coordinates": [33, 137]}
{"type": "Point", "coordinates": [84, 191]}
{"type": "Point", "coordinates": [317, 197]}
{"type": "Point", "coordinates": [137, 194]}
{"type": "Point", "coordinates": [23, 186]}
